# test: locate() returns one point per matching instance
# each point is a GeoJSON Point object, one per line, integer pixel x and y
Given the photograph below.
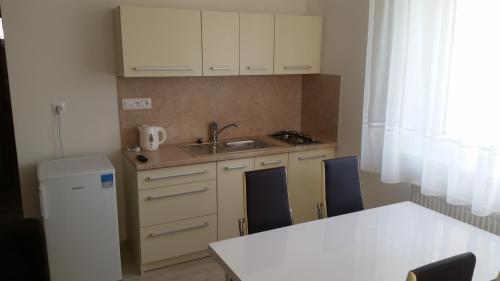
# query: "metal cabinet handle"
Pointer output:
{"type": "Point", "coordinates": [290, 67]}
{"type": "Point", "coordinates": [162, 68]}
{"type": "Point", "coordinates": [256, 67]}
{"type": "Point", "coordinates": [235, 167]}
{"type": "Point", "coordinates": [266, 163]}
{"type": "Point", "coordinates": [313, 157]}
{"type": "Point", "coordinates": [177, 175]}
{"type": "Point", "coordinates": [220, 68]}
{"type": "Point", "coordinates": [156, 234]}
{"type": "Point", "coordinates": [152, 197]}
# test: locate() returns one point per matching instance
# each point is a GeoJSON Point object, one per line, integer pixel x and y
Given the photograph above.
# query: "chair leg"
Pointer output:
{"type": "Point", "coordinates": [319, 208]}
{"type": "Point", "coordinates": [241, 226]}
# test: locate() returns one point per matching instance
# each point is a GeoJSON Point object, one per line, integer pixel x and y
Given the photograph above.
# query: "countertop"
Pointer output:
{"type": "Point", "coordinates": [170, 155]}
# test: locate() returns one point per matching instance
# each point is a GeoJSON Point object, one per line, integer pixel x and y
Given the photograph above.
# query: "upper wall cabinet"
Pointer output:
{"type": "Point", "coordinates": [297, 44]}
{"type": "Point", "coordinates": [221, 32]}
{"type": "Point", "coordinates": [158, 42]}
{"type": "Point", "coordinates": [256, 44]}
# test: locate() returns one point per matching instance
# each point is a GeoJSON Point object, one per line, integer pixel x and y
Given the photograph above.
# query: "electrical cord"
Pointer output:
{"type": "Point", "coordinates": [61, 145]}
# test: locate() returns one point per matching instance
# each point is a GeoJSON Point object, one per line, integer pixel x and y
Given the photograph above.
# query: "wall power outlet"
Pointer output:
{"type": "Point", "coordinates": [142, 103]}
{"type": "Point", "coordinates": [59, 107]}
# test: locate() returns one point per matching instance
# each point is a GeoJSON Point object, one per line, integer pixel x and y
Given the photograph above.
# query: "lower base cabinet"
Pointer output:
{"type": "Point", "coordinates": [174, 213]}
{"type": "Point", "coordinates": [305, 183]}
{"type": "Point", "coordinates": [230, 185]}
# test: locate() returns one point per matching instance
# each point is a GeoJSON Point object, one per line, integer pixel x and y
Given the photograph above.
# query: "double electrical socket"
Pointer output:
{"type": "Point", "coordinates": [142, 103]}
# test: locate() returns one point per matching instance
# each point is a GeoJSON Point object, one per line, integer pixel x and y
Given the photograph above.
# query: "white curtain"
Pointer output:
{"type": "Point", "coordinates": [432, 98]}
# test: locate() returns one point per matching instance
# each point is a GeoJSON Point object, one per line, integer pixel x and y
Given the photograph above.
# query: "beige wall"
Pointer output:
{"type": "Point", "coordinates": [345, 25]}
{"type": "Point", "coordinates": [63, 50]}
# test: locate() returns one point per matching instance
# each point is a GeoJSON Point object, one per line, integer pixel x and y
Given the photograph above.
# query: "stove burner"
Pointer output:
{"type": "Point", "coordinates": [295, 137]}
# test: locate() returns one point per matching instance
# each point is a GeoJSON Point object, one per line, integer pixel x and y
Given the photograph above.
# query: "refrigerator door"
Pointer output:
{"type": "Point", "coordinates": [81, 226]}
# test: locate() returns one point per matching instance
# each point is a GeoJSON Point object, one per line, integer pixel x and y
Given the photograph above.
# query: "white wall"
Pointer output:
{"type": "Point", "coordinates": [63, 50]}
{"type": "Point", "coordinates": [345, 29]}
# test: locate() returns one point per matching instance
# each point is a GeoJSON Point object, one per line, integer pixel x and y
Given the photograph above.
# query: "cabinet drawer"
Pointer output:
{"type": "Point", "coordinates": [177, 202]}
{"type": "Point", "coordinates": [271, 161]}
{"type": "Point", "coordinates": [177, 238]}
{"type": "Point", "coordinates": [176, 175]}
{"type": "Point", "coordinates": [312, 156]}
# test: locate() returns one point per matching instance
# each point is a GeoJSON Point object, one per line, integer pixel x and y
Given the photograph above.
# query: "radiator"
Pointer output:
{"type": "Point", "coordinates": [438, 204]}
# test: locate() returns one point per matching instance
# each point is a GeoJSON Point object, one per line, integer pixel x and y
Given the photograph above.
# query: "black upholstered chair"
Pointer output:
{"type": "Point", "coordinates": [24, 253]}
{"type": "Point", "coordinates": [266, 201]}
{"type": "Point", "coordinates": [342, 188]}
{"type": "Point", "coordinates": [456, 268]}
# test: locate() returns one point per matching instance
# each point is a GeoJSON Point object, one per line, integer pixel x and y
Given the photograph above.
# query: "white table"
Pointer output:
{"type": "Point", "coordinates": [376, 244]}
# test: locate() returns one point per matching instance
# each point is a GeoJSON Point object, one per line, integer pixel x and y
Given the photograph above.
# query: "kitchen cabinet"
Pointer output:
{"type": "Point", "coordinates": [171, 213]}
{"type": "Point", "coordinates": [256, 44]}
{"type": "Point", "coordinates": [163, 42]}
{"type": "Point", "coordinates": [230, 185]}
{"type": "Point", "coordinates": [305, 185]}
{"type": "Point", "coordinates": [297, 44]}
{"type": "Point", "coordinates": [220, 37]}
{"type": "Point", "coordinates": [158, 42]}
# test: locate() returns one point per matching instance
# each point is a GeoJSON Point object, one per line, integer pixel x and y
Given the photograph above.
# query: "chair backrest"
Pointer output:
{"type": "Point", "coordinates": [342, 186]}
{"type": "Point", "coordinates": [266, 199]}
{"type": "Point", "coordinates": [456, 268]}
{"type": "Point", "coordinates": [24, 253]}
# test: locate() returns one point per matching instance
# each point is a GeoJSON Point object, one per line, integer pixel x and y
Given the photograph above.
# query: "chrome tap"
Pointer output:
{"type": "Point", "coordinates": [214, 133]}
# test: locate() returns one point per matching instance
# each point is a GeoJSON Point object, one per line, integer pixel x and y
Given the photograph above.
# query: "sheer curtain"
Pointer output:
{"type": "Point", "coordinates": [432, 98]}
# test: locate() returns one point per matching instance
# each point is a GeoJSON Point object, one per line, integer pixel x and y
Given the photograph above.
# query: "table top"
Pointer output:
{"type": "Point", "coordinates": [376, 244]}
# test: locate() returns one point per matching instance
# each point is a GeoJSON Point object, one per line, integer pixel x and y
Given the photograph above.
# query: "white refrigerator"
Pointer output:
{"type": "Point", "coordinates": [78, 202]}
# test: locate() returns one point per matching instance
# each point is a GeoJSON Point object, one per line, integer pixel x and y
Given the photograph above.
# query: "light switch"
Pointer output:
{"type": "Point", "coordinates": [131, 104]}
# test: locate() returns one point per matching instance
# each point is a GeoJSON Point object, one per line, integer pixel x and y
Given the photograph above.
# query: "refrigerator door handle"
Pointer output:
{"type": "Point", "coordinates": [43, 204]}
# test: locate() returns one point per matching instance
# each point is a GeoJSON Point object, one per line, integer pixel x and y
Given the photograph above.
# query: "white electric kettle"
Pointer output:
{"type": "Point", "coordinates": [149, 137]}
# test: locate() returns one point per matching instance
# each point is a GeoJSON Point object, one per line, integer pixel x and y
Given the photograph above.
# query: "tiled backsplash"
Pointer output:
{"type": "Point", "coordinates": [260, 105]}
{"type": "Point", "coordinates": [320, 106]}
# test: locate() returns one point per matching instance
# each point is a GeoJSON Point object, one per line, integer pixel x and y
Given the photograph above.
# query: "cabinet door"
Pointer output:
{"type": "Point", "coordinates": [158, 42]}
{"type": "Point", "coordinates": [256, 44]}
{"type": "Point", "coordinates": [305, 182]}
{"type": "Point", "coordinates": [220, 43]}
{"type": "Point", "coordinates": [297, 44]}
{"type": "Point", "coordinates": [230, 195]}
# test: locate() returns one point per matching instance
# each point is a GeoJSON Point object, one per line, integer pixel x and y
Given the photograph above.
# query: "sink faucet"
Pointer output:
{"type": "Point", "coordinates": [214, 133]}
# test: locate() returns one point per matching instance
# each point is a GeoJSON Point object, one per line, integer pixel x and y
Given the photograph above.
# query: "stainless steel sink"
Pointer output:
{"type": "Point", "coordinates": [225, 147]}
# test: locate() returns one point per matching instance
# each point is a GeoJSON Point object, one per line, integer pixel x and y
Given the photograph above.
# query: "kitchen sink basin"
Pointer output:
{"type": "Point", "coordinates": [225, 147]}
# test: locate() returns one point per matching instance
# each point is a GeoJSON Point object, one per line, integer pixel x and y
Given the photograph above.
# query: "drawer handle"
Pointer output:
{"type": "Point", "coordinates": [256, 67]}
{"type": "Point", "coordinates": [156, 234]}
{"type": "Point", "coordinates": [162, 68]}
{"type": "Point", "coordinates": [220, 68]}
{"type": "Point", "coordinates": [177, 175]}
{"type": "Point", "coordinates": [313, 157]}
{"type": "Point", "coordinates": [290, 67]}
{"type": "Point", "coordinates": [227, 168]}
{"type": "Point", "coordinates": [152, 197]}
{"type": "Point", "coordinates": [266, 163]}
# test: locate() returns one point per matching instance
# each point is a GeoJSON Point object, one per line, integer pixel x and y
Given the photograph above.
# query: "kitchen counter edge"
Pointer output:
{"type": "Point", "coordinates": [170, 155]}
